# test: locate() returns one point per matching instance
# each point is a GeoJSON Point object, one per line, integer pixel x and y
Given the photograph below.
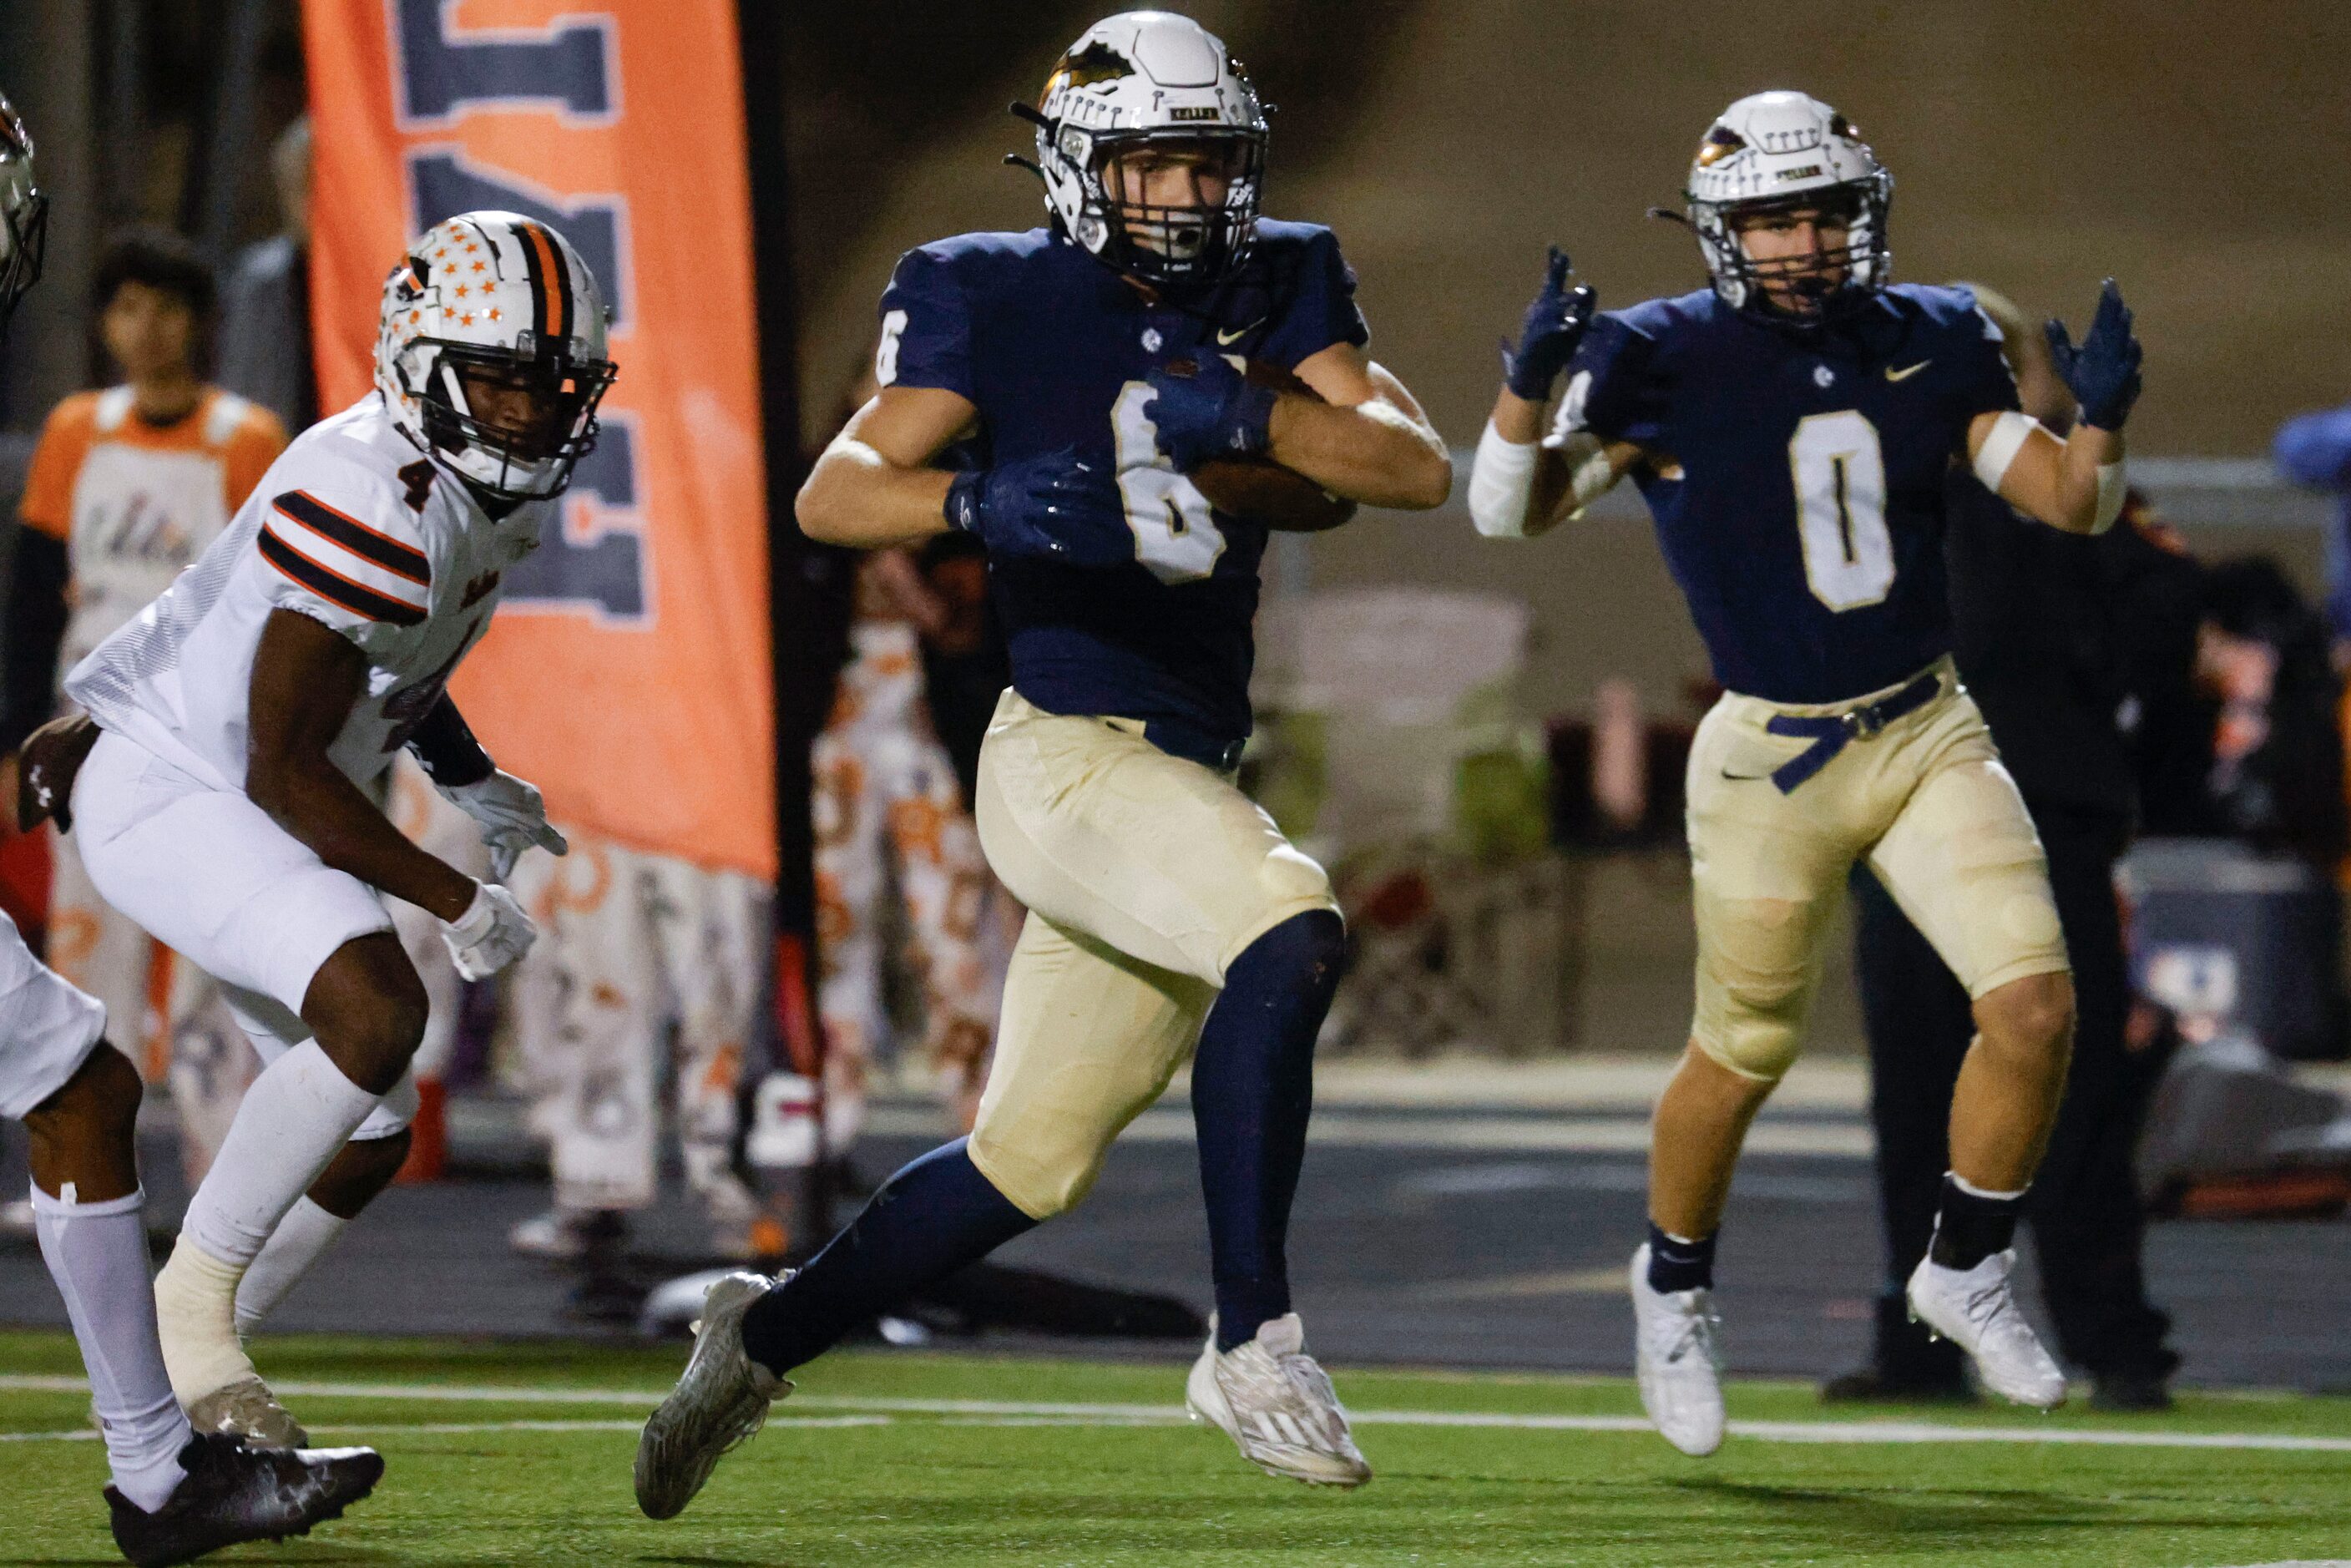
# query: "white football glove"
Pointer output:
{"type": "Point", "coordinates": [513, 817]}
{"type": "Point", "coordinates": [493, 933]}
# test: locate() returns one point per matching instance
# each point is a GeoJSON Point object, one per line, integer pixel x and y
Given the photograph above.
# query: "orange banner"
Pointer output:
{"type": "Point", "coordinates": [627, 673]}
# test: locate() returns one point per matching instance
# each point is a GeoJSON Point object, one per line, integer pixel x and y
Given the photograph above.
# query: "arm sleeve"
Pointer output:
{"type": "Point", "coordinates": [358, 563]}
{"type": "Point", "coordinates": [925, 328]}
{"type": "Point", "coordinates": [443, 744]}
{"type": "Point", "coordinates": [37, 626]}
{"type": "Point", "coordinates": [2316, 450]}
{"type": "Point", "coordinates": [1319, 308]}
{"type": "Point", "coordinates": [1613, 388]}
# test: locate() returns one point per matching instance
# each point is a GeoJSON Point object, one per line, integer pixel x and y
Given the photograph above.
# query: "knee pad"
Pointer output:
{"type": "Point", "coordinates": [393, 1113]}
{"type": "Point", "coordinates": [1750, 1026]}
{"type": "Point", "coordinates": [1039, 1189]}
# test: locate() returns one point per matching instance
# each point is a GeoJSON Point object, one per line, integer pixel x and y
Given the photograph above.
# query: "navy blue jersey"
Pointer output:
{"type": "Point", "coordinates": [1052, 347]}
{"type": "Point", "coordinates": [1798, 478]}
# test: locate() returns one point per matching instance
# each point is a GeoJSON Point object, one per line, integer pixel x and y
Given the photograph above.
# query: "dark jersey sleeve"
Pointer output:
{"type": "Point", "coordinates": [1990, 384]}
{"type": "Point", "coordinates": [1319, 308]}
{"type": "Point", "coordinates": [1613, 389]}
{"type": "Point", "coordinates": [926, 327]}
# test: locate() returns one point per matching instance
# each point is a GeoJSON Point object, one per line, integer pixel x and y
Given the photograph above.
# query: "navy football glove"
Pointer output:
{"type": "Point", "coordinates": [1210, 412]}
{"type": "Point", "coordinates": [2104, 372]}
{"type": "Point", "coordinates": [1555, 324]}
{"type": "Point", "coordinates": [1050, 506]}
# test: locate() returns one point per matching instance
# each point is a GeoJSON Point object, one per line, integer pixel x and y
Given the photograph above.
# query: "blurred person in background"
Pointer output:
{"type": "Point", "coordinates": [648, 968]}
{"type": "Point", "coordinates": [2314, 449]}
{"type": "Point", "coordinates": [129, 486]}
{"type": "Point", "coordinates": [2038, 635]}
{"type": "Point", "coordinates": [265, 335]}
{"type": "Point", "coordinates": [891, 817]}
{"type": "Point", "coordinates": [2268, 699]}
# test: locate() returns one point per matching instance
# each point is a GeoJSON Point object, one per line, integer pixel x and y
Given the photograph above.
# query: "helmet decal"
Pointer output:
{"type": "Point", "coordinates": [496, 307]}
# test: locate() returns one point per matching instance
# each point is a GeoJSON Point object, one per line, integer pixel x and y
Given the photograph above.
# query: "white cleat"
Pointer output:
{"type": "Point", "coordinates": [1976, 1309]}
{"type": "Point", "coordinates": [1271, 1398]}
{"type": "Point", "coordinates": [1678, 1351]}
{"type": "Point", "coordinates": [720, 1401]}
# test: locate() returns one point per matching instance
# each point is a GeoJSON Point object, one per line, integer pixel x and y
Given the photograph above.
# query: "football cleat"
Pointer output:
{"type": "Point", "coordinates": [1678, 1352]}
{"type": "Point", "coordinates": [233, 1493]}
{"type": "Point", "coordinates": [1976, 1309]}
{"type": "Point", "coordinates": [247, 1411]}
{"type": "Point", "coordinates": [1271, 1398]}
{"type": "Point", "coordinates": [720, 1401]}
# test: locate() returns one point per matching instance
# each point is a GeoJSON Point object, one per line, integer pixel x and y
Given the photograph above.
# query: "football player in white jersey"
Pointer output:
{"type": "Point", "coordinates": [223, 803]}
{"type": "Point", "coordinates": [175, 1495]}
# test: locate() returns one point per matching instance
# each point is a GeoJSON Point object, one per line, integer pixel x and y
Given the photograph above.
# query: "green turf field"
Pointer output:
{"type": "Point", "coordinates": [503, 1454]}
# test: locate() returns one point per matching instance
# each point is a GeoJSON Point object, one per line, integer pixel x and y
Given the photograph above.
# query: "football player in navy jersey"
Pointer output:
{"type": "Point", "coordinates": [1119, 405]}
{"type": "Point", "coordinates": [1791, 428]}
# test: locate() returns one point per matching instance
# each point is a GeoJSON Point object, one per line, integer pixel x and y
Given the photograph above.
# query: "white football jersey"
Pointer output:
{"type": "Point", "coordinates": [353, 526]}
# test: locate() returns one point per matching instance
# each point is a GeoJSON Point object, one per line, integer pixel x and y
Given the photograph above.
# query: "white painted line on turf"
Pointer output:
{"type": "Point", "coordinates": [979, 1411]}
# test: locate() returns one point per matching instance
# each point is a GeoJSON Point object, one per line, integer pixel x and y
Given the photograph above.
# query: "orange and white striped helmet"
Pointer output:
{"type": "Point", "coordinates": [495, 301]}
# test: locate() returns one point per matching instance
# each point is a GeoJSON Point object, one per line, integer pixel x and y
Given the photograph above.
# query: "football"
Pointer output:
{"type": "Point", "coordinates": [1262, 490]}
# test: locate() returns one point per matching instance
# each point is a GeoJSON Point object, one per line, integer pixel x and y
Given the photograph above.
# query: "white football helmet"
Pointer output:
{"type": "Point", "coordinates": [24, 211]}
{"type": "Point", "coordinates": [1150, 77]}
{"type": "Point", "coordinates": [505, 298]}
{"type": "Point", "coordinates": [1789, 149]}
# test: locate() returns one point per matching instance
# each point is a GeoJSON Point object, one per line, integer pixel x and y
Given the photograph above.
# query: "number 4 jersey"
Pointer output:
{"type": "Point", "coordinates": [1052, 348]}
{"type": "Point", "coordinates": [1797, 478]}
{"type": "Point", "coordinates": [351, 526]}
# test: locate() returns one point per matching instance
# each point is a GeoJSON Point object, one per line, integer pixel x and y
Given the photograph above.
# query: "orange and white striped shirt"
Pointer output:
{"type": "Point", "coordinates": [134, 503]}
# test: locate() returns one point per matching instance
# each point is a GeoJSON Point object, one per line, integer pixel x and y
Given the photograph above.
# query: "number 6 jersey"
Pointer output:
{"type": "Point", "coordinates": [1796, 476]}
{"type": "Point", "coordinates": [1052, 348]}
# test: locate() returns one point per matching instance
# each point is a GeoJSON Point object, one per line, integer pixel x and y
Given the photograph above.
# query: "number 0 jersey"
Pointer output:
{"type": "Point", "coordinates": [1797, 479]}
{"type": "Point", "coordinates": [1052, 348]}
{"type": "Point", "coordinates": [353, 526]}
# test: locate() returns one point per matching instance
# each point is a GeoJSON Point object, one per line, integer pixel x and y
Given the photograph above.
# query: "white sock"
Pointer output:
{"type": "Point", "coordinates": [295, 1117]}
{"type": "Point", "coordinates": [300, 1239]}
{"type": "Point", "coordinates": [97, 1253]}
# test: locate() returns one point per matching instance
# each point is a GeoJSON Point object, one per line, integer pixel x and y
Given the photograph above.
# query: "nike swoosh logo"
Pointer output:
{"type": "Point", "coordinates": [1227, 339]}
{"type": "Point", "coordinates": [1905, 373]}
{"type": "Point", "coordinates": [1743, 778]}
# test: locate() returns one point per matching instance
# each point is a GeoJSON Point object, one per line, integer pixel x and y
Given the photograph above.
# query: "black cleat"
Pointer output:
{"type": "Point", "coordinates": [235, 1494]}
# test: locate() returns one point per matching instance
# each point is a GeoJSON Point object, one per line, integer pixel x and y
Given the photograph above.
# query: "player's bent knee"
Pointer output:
{"type": "Point", "coordinates": [369, 1009]}
{"type": "Point", "coordinates": [1037, 1188]}
{"type": "Point", "coordinates": [1758, 1050]}
{"type": "Point", "coordinates": [2033, 1013]}
{"type": "Point", "coordinates": [102, 1096]}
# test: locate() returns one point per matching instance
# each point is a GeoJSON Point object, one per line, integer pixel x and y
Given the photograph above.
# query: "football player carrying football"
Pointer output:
{"type": "Point", "coordinates": [1069, 394]}
{"type": "Point", "coordinates": [176, 1494]}
{"type": "Point", "coordinates": [1791, 428]}
{"type": "Point", "coordinates": [242, 718]}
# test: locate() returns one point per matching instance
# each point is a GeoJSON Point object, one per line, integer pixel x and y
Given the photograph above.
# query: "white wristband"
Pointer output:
{"type": "Point", "coordinates": [1501, 481]}
{"type": "Point", "coordinates": [2112, 487]}
{"type": "Point", "coordinates": [2008, 433]}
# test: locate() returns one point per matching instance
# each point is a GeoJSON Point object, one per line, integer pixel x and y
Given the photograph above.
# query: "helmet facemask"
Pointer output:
{"type": "Point", "coordinates": [1179, 244]}
{"type": "Point", "coordinates": [468, 396]}
{"type": "Point", "coordinates": [1807, 286]}
{"type": "Point", "coordinates": [27, 237]}
{"type": "Point", "coordinates": [23, 214]}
